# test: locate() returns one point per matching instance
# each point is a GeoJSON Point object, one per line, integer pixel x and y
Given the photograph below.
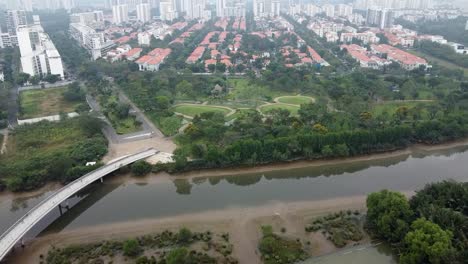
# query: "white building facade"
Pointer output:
{"type": "Point", "coordinates": [39, 57]}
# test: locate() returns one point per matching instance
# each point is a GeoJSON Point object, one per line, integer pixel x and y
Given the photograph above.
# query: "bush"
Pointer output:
{"type": "Point", "coordinates": [184, 236]}
{"type": "Point", "coordinates": [132, 248]}
{"type": "Point", "coordinates": [141, 168]}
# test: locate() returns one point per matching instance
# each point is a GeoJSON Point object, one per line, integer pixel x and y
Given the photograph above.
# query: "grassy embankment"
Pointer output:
{"type": "Point", "coordinates": [45, 102]}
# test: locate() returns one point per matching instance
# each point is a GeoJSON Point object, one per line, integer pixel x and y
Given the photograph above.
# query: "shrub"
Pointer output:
{"type": "Point", "coordinates": [141, 168]}
{"type": "Point", "coordinates": [132, 248]}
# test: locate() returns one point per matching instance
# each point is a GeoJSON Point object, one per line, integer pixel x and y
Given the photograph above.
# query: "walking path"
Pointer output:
{"type": "Point", "coordinates": [3, 149]}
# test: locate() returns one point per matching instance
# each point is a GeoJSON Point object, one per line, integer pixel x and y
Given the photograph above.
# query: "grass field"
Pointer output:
{"type": "Point", "coordinates": [39, 103]}
{"type": "Point", "coordinates": [292, 109]}
{"type": "Point", "coordinates": [169, 126]}
{"type": "Point", "coordinates": [193, 110]}
{"type": "Point", "coordinates": [295, 100]}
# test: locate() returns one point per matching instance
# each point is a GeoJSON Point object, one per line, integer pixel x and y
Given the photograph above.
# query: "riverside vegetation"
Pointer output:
{"type": "Point", "coordinates": [182, 247]}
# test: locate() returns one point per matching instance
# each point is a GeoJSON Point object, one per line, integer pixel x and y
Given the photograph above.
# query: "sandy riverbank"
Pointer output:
{"type": "Point", "coordinates": [243, 224]}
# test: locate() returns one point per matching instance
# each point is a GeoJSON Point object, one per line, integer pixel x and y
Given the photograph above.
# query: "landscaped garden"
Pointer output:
{"type": "Point", "coordinates": [46, 102]}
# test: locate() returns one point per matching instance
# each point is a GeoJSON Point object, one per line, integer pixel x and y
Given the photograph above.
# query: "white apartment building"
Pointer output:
{"type": "Point", "coordinates": [167, 10]}
{"type": "Point", "coordinates": [196, 9]}
{"type": "Point", "coordinates": [143, 12]}
{"type": "Point", "coordinates": [120, 13]}
{"type": "Point", "coordinates": [93, 19]}
{"type": "Point", "coordinates": [94, 42]}
{"type": "Point", "coordinates": [39, 57]}
{"type": "Point", "coordinates": [329, 10]}
{"type": "Point", "coordinates": [343, 10]}
{"type": "Point", "coordinates": [262, 8]}
{"type": "Point", "coordinates": [230, 8]}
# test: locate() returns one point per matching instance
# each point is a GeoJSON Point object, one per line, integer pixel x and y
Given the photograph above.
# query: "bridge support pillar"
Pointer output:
{"type": "Point", "coordinates": [102, 179]}
{"type": "Point", "coordinates": [60, 209]}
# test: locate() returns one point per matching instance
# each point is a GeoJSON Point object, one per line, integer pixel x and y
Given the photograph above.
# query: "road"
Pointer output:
{"type": "Point", "coordinates": [15, 233]}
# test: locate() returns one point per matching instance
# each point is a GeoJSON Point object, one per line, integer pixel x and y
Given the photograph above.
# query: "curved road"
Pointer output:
{"type": "Point", "coordinates": [16, 232]}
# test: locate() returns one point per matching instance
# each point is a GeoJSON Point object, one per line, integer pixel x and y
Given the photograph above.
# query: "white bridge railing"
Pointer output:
{"type": "Point", "coordinates": [16, 232]}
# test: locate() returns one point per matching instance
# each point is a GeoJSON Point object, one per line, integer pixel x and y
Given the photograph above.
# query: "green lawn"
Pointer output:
{"type": "Point", "coordinates": [295, 100]}
{"type": "Point", "coordinates": [169, 126]}
{"type": "Point", "coordinates": [44, 102]}
{"type": "Point", "coordinates": [266, 108]}
{"type": "Point", "coordinates": [124, 126]}
{"type": "Point", "coordinates": [193, 110]}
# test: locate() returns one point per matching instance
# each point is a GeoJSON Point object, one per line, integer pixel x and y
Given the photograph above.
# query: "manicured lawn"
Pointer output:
{"type": "Point", "coordinates": [193, 110]}
{"type": "Point", "coordinates": [293, 109]}
{"type": "Point", "coordinates": [124, 126]}
{"type": "Point", "coordinates": [295, 100]}
{"type": "Point", "coordinates": [44, 102]}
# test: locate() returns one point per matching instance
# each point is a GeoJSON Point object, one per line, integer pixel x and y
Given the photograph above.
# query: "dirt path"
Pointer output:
{"type": "Point", "coordinates": [231, 111]}
{"type": "Point", "coordinates": [3, 148]}
{"type": "Point", "coordinates": [277, 99]}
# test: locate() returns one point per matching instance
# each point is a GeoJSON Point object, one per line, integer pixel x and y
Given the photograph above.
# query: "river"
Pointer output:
{"type": "Point", "coordinates": [119, 200]}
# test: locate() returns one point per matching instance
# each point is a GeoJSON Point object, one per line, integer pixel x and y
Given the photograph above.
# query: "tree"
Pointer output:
{"type": "Point", "coordinates": [162, 102]}
{"type": "Point", "coordinates": [22, 78]}
{"type": "Point", "coordinates": [141, 168]}
{"type": "Point", "coordinates": [131, 248]}
{"type": "Point", "coordinates": [122, 110]}
{"type": "Point", "coordinates": [51, 78]}
{"type": "Point", "coordinates": [388, 214]}
{"type": "Point", "coordinates": [184, 88]}
{"type": "Point", "coordinates": [427, 243]}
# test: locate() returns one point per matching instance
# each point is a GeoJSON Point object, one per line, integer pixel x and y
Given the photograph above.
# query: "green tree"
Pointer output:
{"type": "Point", "coordinates": [388, 214]}
{"type": "Point", "coordinates": [141, 167]}
{"type": "Point", "coordinates": [184, 88]}
{"type": "Point", "coordinates": [427, 243]}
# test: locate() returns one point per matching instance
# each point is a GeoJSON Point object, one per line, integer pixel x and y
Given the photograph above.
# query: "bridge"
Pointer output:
{"type": "Point", "coordinates": [16, 232]}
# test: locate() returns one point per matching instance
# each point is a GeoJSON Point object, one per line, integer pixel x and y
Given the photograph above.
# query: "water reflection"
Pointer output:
{"type": "Point", "coordinates": [116, 201]}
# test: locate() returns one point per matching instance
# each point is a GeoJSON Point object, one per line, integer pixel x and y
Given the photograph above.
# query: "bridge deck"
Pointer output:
{"type": "Point", "coordinates": [16, 232]}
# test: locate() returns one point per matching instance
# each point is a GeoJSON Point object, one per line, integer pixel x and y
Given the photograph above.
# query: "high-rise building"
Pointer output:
{"type": "Point", "coordinates": [15, 19]}
{"type": "Point", "coordinates": [167, 10]}
{"type": "Point", "coordinates": [39, 57]}
{"type": "Point", "coordinates": [466, 27]}
{"type": "Point", "coordinates": [230, 8]}
{"type": "Point", "coordinates": [143, 12]}
{"type": "Point", "coordinates": [382, 18]}
{"type": "Point", "coordinates": [343, 10]}
{"type": "Point", "coordinates": [329, 10]}
{"type": "Point", "coordinates": [194, 8]}
{"type": "Point", "coordinates": [120, 13]}
{"type": "Point", "coordinates": [266, 8]}
{"type": "Point", "coordinates": [220, 5]}
{"type": "Point", "coordinates": [93, 19]}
